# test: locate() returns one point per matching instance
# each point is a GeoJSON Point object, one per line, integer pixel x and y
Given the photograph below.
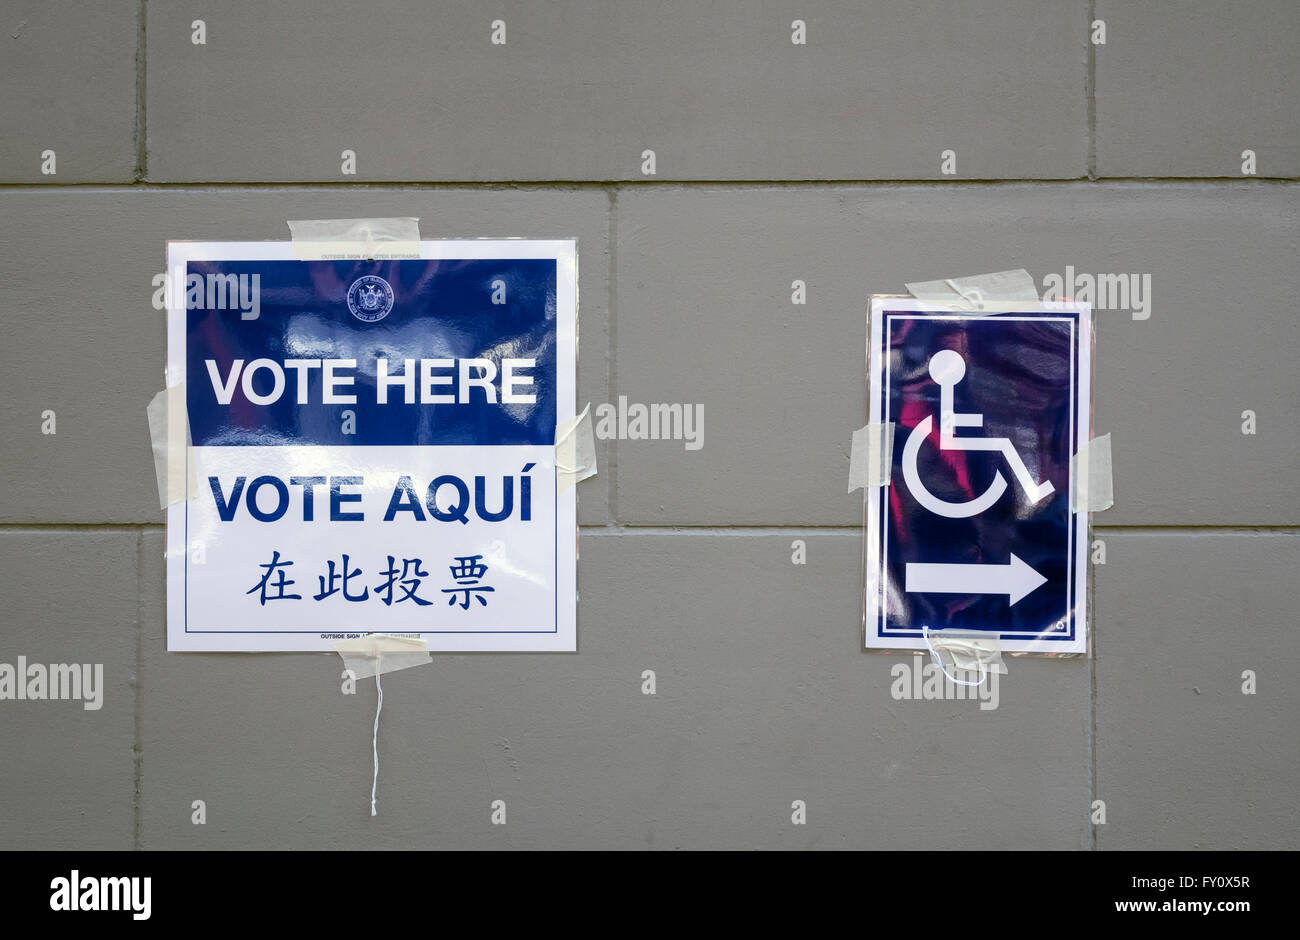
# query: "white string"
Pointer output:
{"type": "Point", "coordinates": [938, 661]}
{"type": "Point", "coordinates": [375, 743]}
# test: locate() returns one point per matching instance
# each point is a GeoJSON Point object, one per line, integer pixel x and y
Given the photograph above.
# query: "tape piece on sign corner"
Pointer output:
{"type": "Point", "coordinates": [973, 293]}
{"type": "Point", "coordinates": [872, 456]}
{"type": "Point", "coordinates": [379, 653]}
{"type": "Point", "coordinates": [970, 652]}
{"type": "Point", "coordinates": [1092, 487]}
{"type": "Point", "coordinates": [169, 430]}
{"type": "Point", "coordinates": [355, 239]}
{"type": "Point", "coordinates": [575, 450]}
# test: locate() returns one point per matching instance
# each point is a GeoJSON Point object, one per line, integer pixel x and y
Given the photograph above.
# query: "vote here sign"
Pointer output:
{"type": "Point", "coordinates": [975, 531]}
{"type": "Point", "coordinates": [373, 446]}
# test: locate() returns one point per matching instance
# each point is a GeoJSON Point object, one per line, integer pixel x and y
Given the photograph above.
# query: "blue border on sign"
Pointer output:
{"type": "Point", "coordinates": [555, 576]}
{"type": "Point", "coordinates": [1070, 614]}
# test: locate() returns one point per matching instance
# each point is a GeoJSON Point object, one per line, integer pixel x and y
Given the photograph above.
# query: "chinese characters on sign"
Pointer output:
{"type": "Point", "coordinates": [467, 572]}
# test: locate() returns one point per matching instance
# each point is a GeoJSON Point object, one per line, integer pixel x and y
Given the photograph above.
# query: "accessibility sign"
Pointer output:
{"type": "Point", "coordinates": [975, 531]}
{"type": "Point", "coordinates": [373, 446]}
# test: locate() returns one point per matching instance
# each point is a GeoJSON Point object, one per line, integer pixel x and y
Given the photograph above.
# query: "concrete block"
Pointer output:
{"type": "Point", "coordinates": [69, 75]}
{"type": "Point", "coordinates": [579, 91]}
{"type": "Point", "coordinates": [87, 343]}
{"type": "Point", "coordinates": [705, 315]}
{"type": "Point", "coordinates": [70, 599]}
{"type": "Point", "coordinates": [1185, 760]}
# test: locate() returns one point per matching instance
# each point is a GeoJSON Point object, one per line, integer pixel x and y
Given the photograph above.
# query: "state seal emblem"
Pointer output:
{"type": "Point", "coordinates": [370, 298]}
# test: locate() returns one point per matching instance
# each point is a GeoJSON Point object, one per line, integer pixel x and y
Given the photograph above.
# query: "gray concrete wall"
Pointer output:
{"type": "Point", "coordinates": [819, 162]}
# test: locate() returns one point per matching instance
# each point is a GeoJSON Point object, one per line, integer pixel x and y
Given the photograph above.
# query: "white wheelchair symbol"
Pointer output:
{"type": "Point", "coordinates": [947, 368]}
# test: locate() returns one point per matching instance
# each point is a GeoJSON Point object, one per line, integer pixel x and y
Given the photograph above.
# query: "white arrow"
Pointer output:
{"type": "Point", "coordinates": [1014, 580]}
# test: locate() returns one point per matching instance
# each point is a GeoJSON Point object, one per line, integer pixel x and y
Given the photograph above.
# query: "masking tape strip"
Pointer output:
{"type": "Point", "coordinates": [355, 239]}
{"type": "Point", "coordinates": [575, 450]}
{"type": "Point", "coordinates": [1092, 486]}
{"type": "Point", "coordinates": [871, 458]}
{"type": "Point", "coordinates": [970, 652]}
{"type": "Point", "coordinates": [973, 293]}
{"type": "Point", "coordinates": [379, 653]}
{"type": "Point", "coordinates": [169, 430]}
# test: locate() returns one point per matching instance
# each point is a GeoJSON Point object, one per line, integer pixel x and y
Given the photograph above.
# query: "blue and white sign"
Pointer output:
{"type": "Point", "coordinates": [373, 446]}
{"type": "Point", "coordinates": [975, 531]}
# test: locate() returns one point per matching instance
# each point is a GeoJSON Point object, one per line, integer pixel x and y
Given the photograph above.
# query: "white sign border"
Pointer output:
{"type": "Point", "coordinates": [565, 253]}
{"type": "Point", "coordinates": [873, 579]}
